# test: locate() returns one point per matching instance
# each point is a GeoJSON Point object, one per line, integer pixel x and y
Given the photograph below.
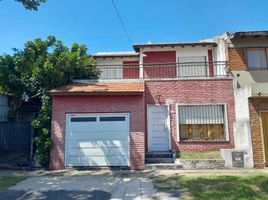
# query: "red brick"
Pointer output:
{"type": "Point", "coordinates": [194, 92]}
{"type": "Point", "coordinates": [63, 105]}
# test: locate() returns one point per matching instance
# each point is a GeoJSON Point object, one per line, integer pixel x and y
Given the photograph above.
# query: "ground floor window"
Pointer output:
{"type": "Point", "coordinates": [202, 122]}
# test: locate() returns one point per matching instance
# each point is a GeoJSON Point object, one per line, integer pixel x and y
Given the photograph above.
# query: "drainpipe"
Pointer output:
{"type": "Point", "coordinates": [141, 64]}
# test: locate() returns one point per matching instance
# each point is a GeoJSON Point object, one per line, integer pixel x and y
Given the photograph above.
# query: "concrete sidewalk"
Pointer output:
{"type": "Point", "coordinates": [101, 184]}
{"type": "Point", "coordinates": [87, 185]}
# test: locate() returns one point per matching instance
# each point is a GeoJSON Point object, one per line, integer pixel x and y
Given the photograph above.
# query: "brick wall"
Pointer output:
{"type": "Point", "coordinates": [194, 92]}
{"type": "Point", "coordinates": [255, 106]}
{"type": "Point", "coordinates": [63, 105]}
{"type": "Point", "coordinates": [237, 59]}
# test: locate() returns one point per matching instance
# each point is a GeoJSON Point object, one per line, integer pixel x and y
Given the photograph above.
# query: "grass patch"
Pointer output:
{"type": "Point", "coordinates": [200, 155]}
{"type": "Point", "coordinates": [7, 181]}
{"type": "Point", "coordinates": [253, 186]}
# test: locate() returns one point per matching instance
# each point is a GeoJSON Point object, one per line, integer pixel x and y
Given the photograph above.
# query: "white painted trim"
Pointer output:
{"type": "Point", "coordinates": [167, 122]}
{"type": "Point", "coordinates": [155, 79]}
{"type": "Point", "coordinates": [169, 126]}
{"type": "Point", "coordinates": [226, 124]}
{"type": "Point", "coordinates": [226, 127]}
{"type": "Point", "coordinates": [68, 120]}
{"type": "Point", "coordinates": [177, 123]}
{"type": "Point", "coordinates": [66, 139]}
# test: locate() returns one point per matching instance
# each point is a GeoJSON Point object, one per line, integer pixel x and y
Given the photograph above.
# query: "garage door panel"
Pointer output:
{"type": "Point", "coordinates": [98, 143]}
{"type": "Point", "coordinates": [98, 140]}
{"type": "Point", "coordinates": [95, 126]}
{"type": "Point", "coordinates": [108, 135]}
{"type": "Point", "coordinates": [99, 161]}
{"type": "Point", "coordinates": [98, 152]}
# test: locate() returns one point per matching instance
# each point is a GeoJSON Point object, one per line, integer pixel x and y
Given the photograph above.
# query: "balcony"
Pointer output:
{"type": "Point", "coordinates": [184, 70]}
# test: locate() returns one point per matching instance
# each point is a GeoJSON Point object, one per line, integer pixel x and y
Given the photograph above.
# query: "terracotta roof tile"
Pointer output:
{"type": "Point", "coordinates": [100, 88]}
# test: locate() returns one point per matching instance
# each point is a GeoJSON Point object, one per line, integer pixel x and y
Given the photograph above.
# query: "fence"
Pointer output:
{"type": "Point", "coordinates": [164, 70]}
{"type": "Point", "coordinates": [16, 143]}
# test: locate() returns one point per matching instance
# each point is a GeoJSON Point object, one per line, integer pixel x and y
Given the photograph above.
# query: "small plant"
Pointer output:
{"type": "Point", "coordinates": [178, 154]}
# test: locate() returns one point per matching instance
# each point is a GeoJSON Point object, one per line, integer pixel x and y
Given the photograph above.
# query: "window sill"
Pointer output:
{"type": "Point", "coordinates": [202, 141]}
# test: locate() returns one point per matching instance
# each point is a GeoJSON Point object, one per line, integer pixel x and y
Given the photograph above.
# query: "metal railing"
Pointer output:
{"type": "Point", "coordinates": [164, 70]}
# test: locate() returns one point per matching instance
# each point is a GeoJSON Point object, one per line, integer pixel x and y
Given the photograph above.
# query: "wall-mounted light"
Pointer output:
{"type": "Point", "coordinates": [158, 96]}
{"type": "Point", "coordinates": [259, 93]}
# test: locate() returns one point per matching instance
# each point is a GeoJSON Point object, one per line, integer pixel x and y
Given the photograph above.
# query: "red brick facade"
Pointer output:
{"type": "Point", "coordinates": [182, 91]}
{"type": "Point", "coordinates": [194, 92]}
{"type": "Point", "coordinates": [63, 105]}
{"type": "Point", "coordinates": [237, 61]}
{"type": "Point", "coordinates": [256, 105]}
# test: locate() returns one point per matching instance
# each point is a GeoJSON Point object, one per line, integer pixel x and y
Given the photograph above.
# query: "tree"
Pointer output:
{"type": "Point", "coordinates": [31, 4]}
{"type": "Point", "coordinates": [40, 66]}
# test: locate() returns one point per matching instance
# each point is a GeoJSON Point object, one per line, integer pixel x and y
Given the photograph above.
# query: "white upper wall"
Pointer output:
{"type": "Point", "coordinates": [114, 61]}
{"type": "Point", "coordinates": [186, 51]}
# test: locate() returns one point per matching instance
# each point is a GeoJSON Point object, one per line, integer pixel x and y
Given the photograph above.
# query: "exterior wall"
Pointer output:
{"type": "Point", "coordinates": [166, 55]}
{"type": "Point", "coordinates": [247, 128]}
{"type": "Point", "coordinates": [256, 105]}
{"type": "Point", "coordinates": [181, 51]}
{"type": "Point", "coordinates": [113, 67]}
{"type": "Point", "coordinates": [168, 70]}
{"type": "Point", "coordinates": [220, 50]}
{"type": "Point", "coordinates": [242, 133]}
{"type": "Point", "coordinates": [194, 92]}
{"type": "Point", "coordinates": [63, 105]}
{"type": "Point", "coordinates": [130, 69]}
{"type": "Point", "coordinates": [237, 59]}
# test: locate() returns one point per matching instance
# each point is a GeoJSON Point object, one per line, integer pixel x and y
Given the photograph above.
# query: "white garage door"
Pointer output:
{"type": "Point", "coordinates": [97, 140]}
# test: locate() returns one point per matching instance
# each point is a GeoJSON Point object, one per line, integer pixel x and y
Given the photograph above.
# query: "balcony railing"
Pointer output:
{"type": "Point", "coordinates": [164, 70]}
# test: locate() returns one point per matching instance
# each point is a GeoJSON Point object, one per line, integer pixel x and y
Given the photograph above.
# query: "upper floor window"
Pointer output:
{"type": "Point", "coordinates": [192, 66]}
{"type": "Point", "coordinates": [257, 58]}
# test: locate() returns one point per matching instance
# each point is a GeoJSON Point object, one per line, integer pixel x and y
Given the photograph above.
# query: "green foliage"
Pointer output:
{"type": "Point", "coordinates": [31, 4]}
{"type": "Point", "coordinates": [199, 155]}
{"type": "Point", "coordinates": [42, 123]}
{"type": "Point", "coordinates": [7, 181]}
{"type": "Point", "coordinates": [246, 186]}
{"type": "Point", "coordinates": [42, 65]}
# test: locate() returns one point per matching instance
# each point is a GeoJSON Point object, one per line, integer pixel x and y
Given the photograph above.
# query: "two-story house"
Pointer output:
{"type": "Point", "coordinates": [161, 97]}
{"type": "Point", "coordinates": [248, 63]}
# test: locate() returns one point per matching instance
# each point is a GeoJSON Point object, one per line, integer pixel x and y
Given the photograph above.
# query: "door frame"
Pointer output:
{"type": "Point", "coordinates": [167, 122]}
{"type": "Point", "coordinates": [262, 135]}
{"type": "Point", "coordinates": [67, 128]}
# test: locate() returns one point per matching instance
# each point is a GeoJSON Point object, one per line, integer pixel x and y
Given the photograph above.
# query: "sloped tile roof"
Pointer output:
{"type": "Point", "coordinates": [100, 88]}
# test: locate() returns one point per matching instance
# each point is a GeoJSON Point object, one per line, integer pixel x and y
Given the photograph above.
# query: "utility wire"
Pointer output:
{"type": "Point", "coordinates": [122, 23]}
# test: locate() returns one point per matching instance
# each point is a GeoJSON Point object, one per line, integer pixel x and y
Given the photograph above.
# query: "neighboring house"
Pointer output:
{"type": "Point", "coordinates": [248, 62]}
{"type": "Point", "coordinates": [163, 97]}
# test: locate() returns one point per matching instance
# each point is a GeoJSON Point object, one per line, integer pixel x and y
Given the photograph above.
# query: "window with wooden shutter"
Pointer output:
{"type": "Point", "coordinates": [202, 122]}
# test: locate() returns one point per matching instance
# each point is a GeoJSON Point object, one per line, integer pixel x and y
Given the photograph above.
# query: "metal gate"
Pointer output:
{"type": "Point", "coordinates": [16, 143]}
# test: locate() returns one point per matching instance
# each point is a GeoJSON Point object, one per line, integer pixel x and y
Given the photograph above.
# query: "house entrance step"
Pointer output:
{"type": "Point", "coordinates": [168, 166]}
{"type": "Point", "coordinates": [188, 164]}
{"type": "Point", "coordinates": [159, 157]}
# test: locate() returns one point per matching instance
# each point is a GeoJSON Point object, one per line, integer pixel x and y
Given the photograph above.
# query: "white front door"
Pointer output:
{"type": "Point", "coordinates": [158, 129]}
